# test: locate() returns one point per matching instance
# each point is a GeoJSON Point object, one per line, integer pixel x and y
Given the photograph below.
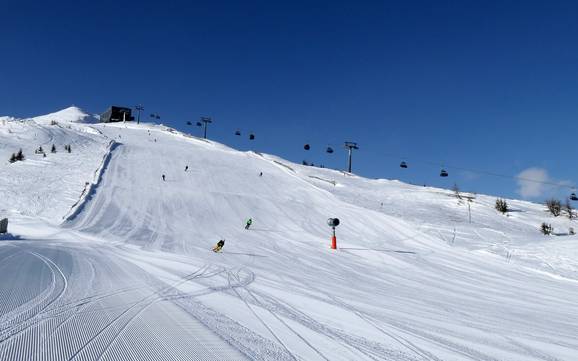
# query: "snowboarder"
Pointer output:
{"type": "Point", "coordinates": [248, 224]}
{"type": "Point", "coordinates": [219, 246]}
{"type": "Point", "coordinates": [163, 177]}
{"type": "Point", "coordinates": [186, 168]}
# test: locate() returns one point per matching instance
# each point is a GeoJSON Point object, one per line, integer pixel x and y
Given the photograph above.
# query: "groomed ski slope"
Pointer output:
{"type": "Point", "coordinates": [128, 273]}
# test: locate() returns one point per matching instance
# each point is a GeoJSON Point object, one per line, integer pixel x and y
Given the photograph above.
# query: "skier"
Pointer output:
{"type": "Point", "coordinates": [186, 168]}
{"type": "Point", "coordinates": [219, 246]}
{"type": "Point", "coordinates": [163, 177]}
{"type": "Point", "coordinates": [248, 224]}
{"type": "Point", "coordinates": [261, 174]}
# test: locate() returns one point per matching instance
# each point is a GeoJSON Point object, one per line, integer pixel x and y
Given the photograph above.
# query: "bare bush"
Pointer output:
{"type": "Point", "coordinates": [456, 190]}
{"type": "Point", "coordinates": [554, 206]}
{"type": "Point", "coordinates": [569, 209]}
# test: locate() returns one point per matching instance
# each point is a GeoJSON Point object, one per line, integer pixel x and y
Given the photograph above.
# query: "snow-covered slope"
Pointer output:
{"type": "Point", "coordinates": [419, 274]}
{"type": "Point", "coordinates": [47, 186]}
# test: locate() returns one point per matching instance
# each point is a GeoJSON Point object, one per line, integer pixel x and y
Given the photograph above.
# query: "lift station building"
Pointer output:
{"type": "Point", "coordinates": [116, 114]}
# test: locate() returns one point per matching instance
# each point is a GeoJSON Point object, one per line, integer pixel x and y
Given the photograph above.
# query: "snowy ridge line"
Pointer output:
{"type": "Point", "coordinates": [322, 179]}
{"type": "Point", "coordinates": [291, 172]}
{"type": "Point", "coordinates": [284, 165]}
{"type": "Point", "coordinates": [184, 135]}
{"type": "Point", "coordinates": [89, 188]}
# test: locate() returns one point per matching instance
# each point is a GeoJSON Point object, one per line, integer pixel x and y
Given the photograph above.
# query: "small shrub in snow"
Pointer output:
{"type": "Point", "coordinates": [501, 205]}
{"type": "Point", "coordinates": [546, 228]}
{"type": "Point", "coordinates": [20, 155]}
{"type": "Point", "coordinates": [569, 209]}
{"type": "Point", "coordinates": [17, 156]}
{"type": "Point", "coordinates": [53, 122]}
{"type": "Point", "coordinates": [456, 191]}
{"type": "Point", "coordinates": [571, 231]}
{"type": "Point", "coordinates": [554, 206]}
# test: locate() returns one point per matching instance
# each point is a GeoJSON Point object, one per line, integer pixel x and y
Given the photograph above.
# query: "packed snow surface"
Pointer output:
{"type": "Point", "coordinates": [105, 260]}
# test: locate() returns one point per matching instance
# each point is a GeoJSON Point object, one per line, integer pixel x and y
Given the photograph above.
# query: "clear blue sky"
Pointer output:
{"type": "Point", "coordinates": [486, 85]}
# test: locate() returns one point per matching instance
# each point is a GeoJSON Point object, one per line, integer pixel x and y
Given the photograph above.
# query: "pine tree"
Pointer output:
{"type": "Point", "coordinates": [546, 228]}
{"type": "Point", "coordinates": [501, 205]}
{"type": "Point", "coordinates": [20, 155]}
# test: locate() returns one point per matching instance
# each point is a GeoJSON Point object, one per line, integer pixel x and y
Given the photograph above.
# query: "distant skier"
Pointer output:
{"type": "Point", "coordinates": [249, 223]}
{"type": "Point", "coordinates": [261, 174]}
{"type": "Point", "coordinates": [163, 177]}
{"type": "Point", "coordinates": [186, 168]}
{"type": "Point", "coordinates": [219, 246]}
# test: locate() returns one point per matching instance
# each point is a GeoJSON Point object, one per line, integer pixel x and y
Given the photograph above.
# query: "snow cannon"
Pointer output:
{"type": "Point", "coordinates": [333, 222]}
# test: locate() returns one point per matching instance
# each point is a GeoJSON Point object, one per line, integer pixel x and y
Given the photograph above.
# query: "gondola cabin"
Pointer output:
{"type": "Point", "coordinates": [403, 165]}
{"type": "Point", "coordinates": [573, 197]}
{"type": "Point", "coordinates": [443, 173]}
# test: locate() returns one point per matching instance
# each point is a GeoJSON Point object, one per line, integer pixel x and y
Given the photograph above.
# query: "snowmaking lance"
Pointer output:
{"type": "Point", "coordinates": [333, 222]}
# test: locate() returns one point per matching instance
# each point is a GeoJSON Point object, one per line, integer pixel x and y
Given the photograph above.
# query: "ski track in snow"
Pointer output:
{"type": "Point", "coordinates": [129, 274]}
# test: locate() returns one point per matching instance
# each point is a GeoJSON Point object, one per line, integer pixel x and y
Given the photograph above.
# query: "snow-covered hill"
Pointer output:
{"type": "Point", "coordinates": [112, 262]}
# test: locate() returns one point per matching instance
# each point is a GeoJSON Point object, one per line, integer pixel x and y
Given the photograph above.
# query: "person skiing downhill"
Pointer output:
{"type": "Point", "coordinates": [186, 168]}
{"type": "Point", "coordinates": [163, 177]}
{"type": "Point", "coordinates": [248, 224]}
{"type": "Point", "coordinates": [219, 246]}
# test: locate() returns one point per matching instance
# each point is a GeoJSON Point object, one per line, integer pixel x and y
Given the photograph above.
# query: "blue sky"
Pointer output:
{"type": "Point", "coordinates": [476, 87]}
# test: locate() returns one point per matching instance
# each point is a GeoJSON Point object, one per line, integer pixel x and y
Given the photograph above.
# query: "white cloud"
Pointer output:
{"type": "Point", "coordinates": [536, 182]}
